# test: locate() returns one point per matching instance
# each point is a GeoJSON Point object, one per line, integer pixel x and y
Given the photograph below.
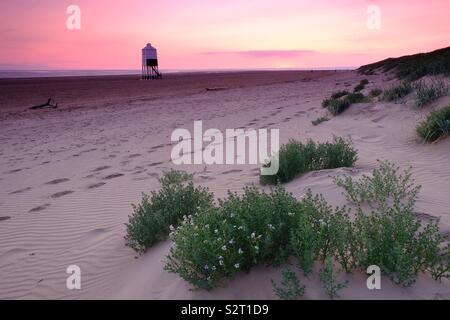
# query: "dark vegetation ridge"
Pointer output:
{"type": "Point", "coordinates": [413, 67]}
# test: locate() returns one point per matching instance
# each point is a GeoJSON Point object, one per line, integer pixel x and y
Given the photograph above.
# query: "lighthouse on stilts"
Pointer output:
{"type": "Point", "coordinates": [150, 63]}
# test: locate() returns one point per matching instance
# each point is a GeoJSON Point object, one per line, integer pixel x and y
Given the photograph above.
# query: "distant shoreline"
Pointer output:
{"type": "Point", "coordinates": [23, 74]}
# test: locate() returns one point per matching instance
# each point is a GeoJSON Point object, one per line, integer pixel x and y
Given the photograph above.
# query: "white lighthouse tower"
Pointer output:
{"type": "Point", "coordinates": [150, 63]}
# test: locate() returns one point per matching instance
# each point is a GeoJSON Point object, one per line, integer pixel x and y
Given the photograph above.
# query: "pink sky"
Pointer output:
{"type": "Point", "coordinates": [206, 34]}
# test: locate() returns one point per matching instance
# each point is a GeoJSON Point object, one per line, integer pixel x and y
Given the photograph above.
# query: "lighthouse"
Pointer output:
{"type": "Point", "coordinates": [150, 63]}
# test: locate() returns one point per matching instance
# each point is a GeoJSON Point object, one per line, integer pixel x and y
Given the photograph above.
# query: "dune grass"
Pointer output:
{"type": "Point", "coordinates": [375, 93]}
{"type": "Point", "coordinates": [427, 93]}
{"type": "Point", "coordinates": [413, 67]}
{"type": "Point", "coordinates": [397, 92]}
{"type": "Point", "coordinates": [435, 126]}
{"type": "Point", "coordinates": [296, 158]}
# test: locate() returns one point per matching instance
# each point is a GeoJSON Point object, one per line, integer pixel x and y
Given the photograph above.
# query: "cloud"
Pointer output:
{"type": "Point", "coordinates": [264, 53]}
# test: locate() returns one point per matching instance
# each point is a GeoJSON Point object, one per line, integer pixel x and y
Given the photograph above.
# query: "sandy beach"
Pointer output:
{"type": "Point", "coordinates": [68, 176]}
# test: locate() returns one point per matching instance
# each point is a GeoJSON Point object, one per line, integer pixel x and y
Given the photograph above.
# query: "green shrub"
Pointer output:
{"type": "Point", "coordinates": [362, 84]}
{"type": "Point", "coordinates": [337, 106]}
{"type": "Point", "coordinates": [397, 92]}
{"type": "Point", "coordinates": [320, 231]}
{"type": "Point", "coordinates": [239, 233]}
{"type": "Point", "coordinates": [375, 93]}
{"type": "Point", "coordinates": [152, 218]}
{"type": "Point", "coordinates": [426, 93]}
{"type": "Point", "coordinates": [391, 236]}
{"type": "Point", "coordinates": [328, 278]}
{"type": "Point", "coordinates": [290, 288]}
{"type": "Point", "coordinates": [386, 186]}
{"type": "Point", "coordinates": [326, 103]}
{"type": "Point", "coordinates": [442, 269]}
{"type": "Point", "coordinates": [339, 94]}
{"type": "Point", "coordinates": [356, 98]}
{"type": "Point", "coordinates": [319, 121]}
{"type": "Point", "coordinates": [258, 227]}
{"type": "Point", "coordinates": [413, 67]}
{"type": "Point", "coordinates": [296, 158]}
{"type": "Point", "coordinates": [436, 125]}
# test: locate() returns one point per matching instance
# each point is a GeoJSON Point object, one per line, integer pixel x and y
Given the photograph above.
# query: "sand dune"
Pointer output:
{"type": "Point", "coordinates": [68, 176]}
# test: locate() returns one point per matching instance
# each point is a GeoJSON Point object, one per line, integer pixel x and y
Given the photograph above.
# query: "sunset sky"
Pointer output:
{"type": "Point", "coordinates": [208, 34]}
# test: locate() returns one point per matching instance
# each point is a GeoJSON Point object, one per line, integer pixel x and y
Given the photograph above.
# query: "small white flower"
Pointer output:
{"type": "Point", "coordinates": [290, 214]}
{"type": "Point", "coordinates": [206, 225]}
{"type": "Point", "coordinates": [256, 248]}
{"type": "Point", "coordinates": [171, 228]}
{"type": "Point", "coordinates": [216, 231]}
{"type": "Point", "coordinates": [196, 234]}
{"type": "Point", "coordinates": [240, 228]}
{"type": "Point", "coordinates": [231, 241]}
{"type": "Point", "coordinates": [270, 226]}
{"type": "Point", "coordinates": [240, 251]}
{"type": "Point", "coordinates": [213, 268]}
{"type": "Point", "coordinates": [224, 248]}
{"type": "Point", "coordinates": [221, 262]}
{"type": "Point", "coordinates": [232, 215]}
{"type": "Point", "coordinates": [253, 235]}
{"type": "Point", "coordinates": [236, 265]}
{"type": "Point", "coordinates": [205, 241]}
{"type": "Point", "coordinates": [206, 267]}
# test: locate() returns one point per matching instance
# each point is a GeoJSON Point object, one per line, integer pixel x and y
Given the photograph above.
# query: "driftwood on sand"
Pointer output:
{"type": "Point", "coordinates": [50, 104]}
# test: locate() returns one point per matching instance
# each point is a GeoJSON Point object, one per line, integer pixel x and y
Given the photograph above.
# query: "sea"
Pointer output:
{"type": "Point", "coordinates": [9, 74]}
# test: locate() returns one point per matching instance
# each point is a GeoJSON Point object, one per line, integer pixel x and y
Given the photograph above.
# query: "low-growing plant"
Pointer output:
{"type": "Point", "coordinates": [362, 84]}
{"type": "Point", "coordinates": [319, 121]}
{"type": "Point", "coordinates": [385, 187]}
{"type": "Point", "coordinates": [375, 92]}
{"type": "Point", "coordinates": [152, 218]}
{"type": "Point", "coordinates": [339, 94]}
{"type": "Point", "coordinates": [337, 106]}
{"type": "Point", "coordinates": [426, 93]}
{"type": "Point", "coordinates": [290, 287]}
{"type": "Point", "coordinates": [397, 92]}
{"type": "Point", "coordinates": [239, 233]}
{"type": "Point", "coordinates": [328, 278]}
{"type": "Point", "coordinates": [391, 236]}
{"type": "Point", "coordinates": [356, 98]}
{"type": "Point", "coordinates": [326, 103]}
{"type": "Point", "coordinates": [436, 125]}
{"type": "Point", "coordinates": [320, 231]}
{"type": "Point", "coordinates": [296, 158]}
{"type": "Point", "coordinates": [442, 269]}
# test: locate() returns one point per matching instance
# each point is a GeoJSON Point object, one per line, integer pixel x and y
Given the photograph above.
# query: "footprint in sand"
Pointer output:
{"type": "Point", "coordinates": [58, 181]}
{"type": "Point", "coordinates": [13, 171]}
{"type": "Point", "coordinates": [4, 218]}
{"type": "Point", "coordinates": [40, 208]}
{"type": "Point", "coordinates": [112, 176]}
{"type": "Point", "coordinates": [21, 190]}
{"type": "Point", "coordinates": [61, 194]}
{"type": "Point", "coordinates": [100, 168]}
{"type": "Point", "coordinates": [154, 164]}
{"type": "Point", "coordinates": [96, 185]}
{"type": "Point", "coordinates": [231, 171]}
{"type": "Point", "coordinates": [134, 155]}
{"type": "Point", "coordinates": [157, 147]}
